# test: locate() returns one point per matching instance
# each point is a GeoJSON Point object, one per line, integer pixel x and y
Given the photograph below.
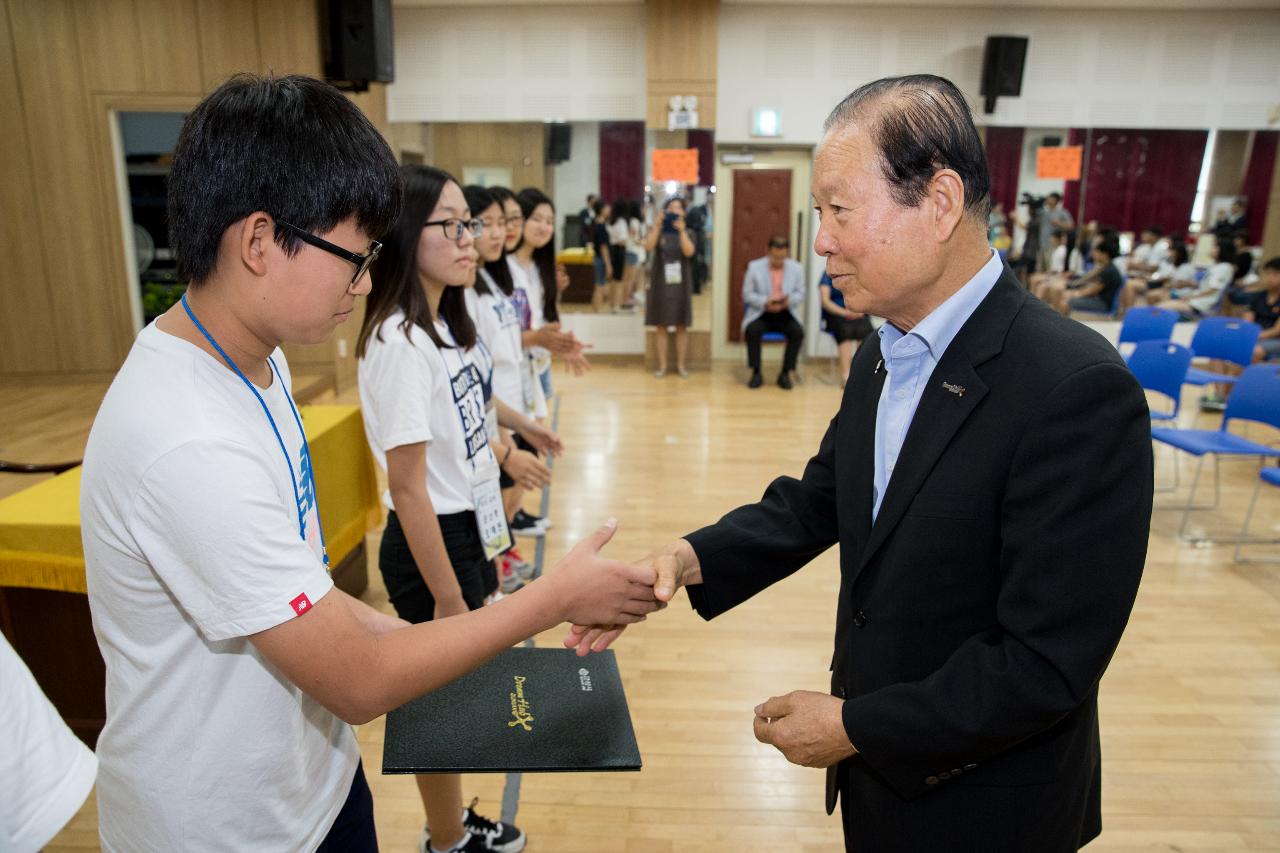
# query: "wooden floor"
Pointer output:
{"type": "Point", "coordinates": [1190, 705]}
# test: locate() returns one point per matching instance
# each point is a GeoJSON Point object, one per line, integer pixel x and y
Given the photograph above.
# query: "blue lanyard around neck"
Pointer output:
{"type": "Point", "coordinates": [306, 448]}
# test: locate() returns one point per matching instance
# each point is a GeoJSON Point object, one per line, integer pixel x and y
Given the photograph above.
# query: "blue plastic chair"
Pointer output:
{"type": "Point", "coordinates": [1226, 339]}
{"type": "Point", "coordinates": [1161, 366]}
{"type": "Point", "coordinates": [1270, 476]}
{"type": "Point", "coordinates": [1147, 324]}
{"type": "Point", "coordinates": [1256, 397]}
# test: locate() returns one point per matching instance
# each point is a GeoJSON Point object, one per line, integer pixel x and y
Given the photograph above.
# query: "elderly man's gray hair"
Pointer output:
{"type": "Point", "coordinates": [920, 123]}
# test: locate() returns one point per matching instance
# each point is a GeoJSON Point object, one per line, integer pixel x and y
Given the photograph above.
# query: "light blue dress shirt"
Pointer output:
{"type": "Point", "coordinates": [909, 360]}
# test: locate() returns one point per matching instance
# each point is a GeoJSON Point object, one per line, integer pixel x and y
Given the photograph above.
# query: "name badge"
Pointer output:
{"type": "Point", "coordinates": [673, 273]}
{"type": "Point", "coordinates": [491, 518]}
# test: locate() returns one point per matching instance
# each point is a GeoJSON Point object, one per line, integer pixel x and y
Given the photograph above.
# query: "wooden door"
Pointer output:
{"type": "Point", "coordinates": [761, 209]}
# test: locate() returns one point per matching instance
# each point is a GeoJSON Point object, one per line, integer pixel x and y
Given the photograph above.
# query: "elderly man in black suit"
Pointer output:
{"type": "Point", "coordinates": [988, 478]}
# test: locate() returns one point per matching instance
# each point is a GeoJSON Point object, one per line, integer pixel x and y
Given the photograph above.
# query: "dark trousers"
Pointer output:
{"type": "Point", "coordinates": [774, 321]}
{"type": "Point", "coordinates": [353, 831]}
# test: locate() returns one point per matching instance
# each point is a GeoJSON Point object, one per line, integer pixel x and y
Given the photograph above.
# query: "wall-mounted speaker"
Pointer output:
{"type": "Point", "coordinates": [358, 45]}
{"type": "Point", "coordinates": [559, 142]}
{"type": "Point", "coordinates": [1002, 65]}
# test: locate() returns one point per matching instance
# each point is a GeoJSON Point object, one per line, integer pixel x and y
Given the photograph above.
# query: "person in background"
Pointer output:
{"type": "Point", "coordinates": [1265, 311]}
{"type": "Point", "coordinates": [1234, 221]}
{"type": "Point", "coordinates": [772, 298]}
{"type": "Point", "coordinates": [46, 772]}
{"type": "Point", "coordinates": [1175, 273]}
{"type": "Point", "coordinates": [586, 216]}
{"type": "Point", "coordinates": [635, 254]}
{"type": "Point", "coordinates": [1202, 299]}
{"type": "Point", "coordinates": [1038, 283]}
{"type": "Point", "coordinates": [1098, 295]}
{"type": "Point", "coordinates": [616, 225]}
{"type": "Point", "coordinates": [669, 301]}
{"type": "Point", "coordinates": [1053, 217]}
{"type": "Point", "coordinates": [847, 327]}
{"type": "Point", "coordinates": [534, 399]}
{"type": "Point", "coordinates": [498, 329]}
{"type": "Point", "coordinates": [1147, 256]}
{"type": "Point", "coordinates": [602, 257]}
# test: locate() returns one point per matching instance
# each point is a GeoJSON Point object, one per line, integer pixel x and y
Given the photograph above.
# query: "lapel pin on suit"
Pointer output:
{"type": "Point", "coordinates": [958, 390]}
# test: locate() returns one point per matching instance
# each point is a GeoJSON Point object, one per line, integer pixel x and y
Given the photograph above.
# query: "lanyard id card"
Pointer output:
{"type": "Point", "coordinates": [673, 272]}
{"type": "Point", "coordinates": [491, 518]}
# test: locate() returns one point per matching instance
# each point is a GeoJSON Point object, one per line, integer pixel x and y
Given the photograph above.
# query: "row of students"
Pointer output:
{"type": "Point", "coordinates": [234, 668]}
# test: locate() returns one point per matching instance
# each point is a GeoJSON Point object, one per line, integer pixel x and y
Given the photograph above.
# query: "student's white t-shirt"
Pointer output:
{"type": "Point", "coordinates": [529, 280]}
{"type": "Point", "coordinates": [617, 230]}
{"type": "Point", "coordinates": [1215, 280]}
{"type": "Point", "coordinates": [411, 391]}
{"type": "Point", "coordinates": [498, 326]}
{"type": "Point", "coordinates": [192, 543]}
{"type": "Point", "coordinates": [46, 772]}
{"type": "Point", "coordinates": [635, 244]}
{"type": "Point", "coordinates": [1058, 260]}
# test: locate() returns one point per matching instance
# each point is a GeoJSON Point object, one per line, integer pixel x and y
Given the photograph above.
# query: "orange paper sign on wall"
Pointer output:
{"type": "Point", "coordinates": [675, 164]}
{"type": "Point", "coordinates": [1062, 163]}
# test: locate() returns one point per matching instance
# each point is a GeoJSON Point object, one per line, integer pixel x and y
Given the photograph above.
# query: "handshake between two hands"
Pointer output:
{"type": "Point", "coordinates": [602, 596]}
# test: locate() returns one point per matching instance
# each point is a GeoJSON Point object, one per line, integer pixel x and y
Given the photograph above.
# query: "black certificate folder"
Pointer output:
{"type": "Point", "coordinates": [530, 710]}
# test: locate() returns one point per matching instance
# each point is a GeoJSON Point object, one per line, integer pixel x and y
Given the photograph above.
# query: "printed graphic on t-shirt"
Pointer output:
{"type": "Point", "coordinates": [468, 396]}
{"type": "Point", "coordinates": [301, 604]}
{"type": "Point", "coordinates": [520, 301]}
{"type": "Point", "coordinates": [507, 316]}
{"type": "Point", "coordinates": [484, 363]}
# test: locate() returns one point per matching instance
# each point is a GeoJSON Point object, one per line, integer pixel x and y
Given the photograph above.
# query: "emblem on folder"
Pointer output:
{"type": "Point", "coordinates": [520, 707]}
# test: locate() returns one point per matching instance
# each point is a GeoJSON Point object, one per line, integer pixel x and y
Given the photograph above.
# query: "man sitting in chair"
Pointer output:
{"type": "Point", "coordinates": [772, 296]}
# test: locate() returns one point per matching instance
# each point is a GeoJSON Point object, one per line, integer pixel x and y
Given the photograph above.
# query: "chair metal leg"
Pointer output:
{"type": "Point", "coordinates": [1191, 499]}
{"type": "Point", "coordinates": [1245, 539]}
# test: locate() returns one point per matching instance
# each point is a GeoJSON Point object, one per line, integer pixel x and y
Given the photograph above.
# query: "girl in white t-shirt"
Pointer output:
{"type": "Point", "coordinates": [635, 253]}
{"type": "Point", "coordinates": [498, 329]}
{"type": "Point", "coordinates": [421, 377]}
{"type": "Point", "coordinates": [538, 282]}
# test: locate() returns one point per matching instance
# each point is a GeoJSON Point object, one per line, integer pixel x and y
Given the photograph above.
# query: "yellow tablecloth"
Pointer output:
{"type": "Point", "coordinates": [40, 526]}
{"type": "Point", "coordinates": [575, 256]}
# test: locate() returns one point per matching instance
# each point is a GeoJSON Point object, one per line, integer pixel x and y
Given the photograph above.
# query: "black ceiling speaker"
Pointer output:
{"type": "Point", "coordinates": [559, 140]}
{"type": "Point", "coordinates": [358, 44]}
{"type": "Point", "coordinates": [1002, 63]}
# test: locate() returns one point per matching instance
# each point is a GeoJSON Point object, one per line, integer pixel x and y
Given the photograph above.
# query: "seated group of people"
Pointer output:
{"type": "Point", "coordinates": [1159, 272]}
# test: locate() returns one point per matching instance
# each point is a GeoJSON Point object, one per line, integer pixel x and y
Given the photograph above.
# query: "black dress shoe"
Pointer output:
{"type": "Point", "coordinates": [784, 380]}
{"type": "Point", "coordinates": [756, 380]}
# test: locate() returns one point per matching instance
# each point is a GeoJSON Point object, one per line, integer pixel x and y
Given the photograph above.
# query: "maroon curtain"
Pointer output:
{"type": "Point", "coordinates": [705, 142]}
{"type": "Point", "coordinates": [1256, 187]}
{"type": "Point", "coordinates": [622, 164]}
{"type": "Point", "coordinates": [1071, 190]}
{"type": "Point", "coordinates": [1004, 160]}
{"type": "Point", "coordinates": [1143, 177]}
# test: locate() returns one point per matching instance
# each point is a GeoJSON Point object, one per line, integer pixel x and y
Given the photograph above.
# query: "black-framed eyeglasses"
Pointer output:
{"type": "Point", "coordinates": [513, 220]}
{"type": "Point", "coordinates": [454, 228]}
{"type": "Point", "coordinates": [362, 262]}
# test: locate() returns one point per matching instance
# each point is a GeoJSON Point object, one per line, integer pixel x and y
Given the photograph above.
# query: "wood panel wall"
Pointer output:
{"type": "Point", "coordinates": [65, 66]}
{"type": "Point", "coordinates": [519, 146]}
{"type": "Point", "coordinates": [682, 42]}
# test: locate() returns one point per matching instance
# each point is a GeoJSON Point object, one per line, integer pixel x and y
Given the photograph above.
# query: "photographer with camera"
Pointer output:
{"type": "Point", "coordinates": [670, 298]}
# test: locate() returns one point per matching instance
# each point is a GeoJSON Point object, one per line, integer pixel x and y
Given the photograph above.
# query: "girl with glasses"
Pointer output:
{"type": "Point", "coordinates": [422, 375]}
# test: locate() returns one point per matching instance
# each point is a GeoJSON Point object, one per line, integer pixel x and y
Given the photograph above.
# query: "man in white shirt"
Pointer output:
{"type": "Point", "coordinates": [235, 668]}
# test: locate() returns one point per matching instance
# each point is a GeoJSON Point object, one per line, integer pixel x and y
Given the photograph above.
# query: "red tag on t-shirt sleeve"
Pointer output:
{"type": "Point", "coordinates": [301, 604]}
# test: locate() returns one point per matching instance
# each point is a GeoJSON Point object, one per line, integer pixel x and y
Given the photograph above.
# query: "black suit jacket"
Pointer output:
{"type": "Point", "coordinates": [978, 613]}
